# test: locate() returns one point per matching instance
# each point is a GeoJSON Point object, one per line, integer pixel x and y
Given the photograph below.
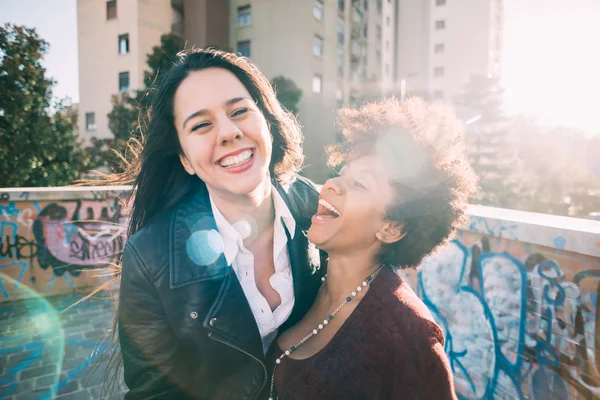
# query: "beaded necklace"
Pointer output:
{"type": "Point", "coordinates": [322, 325]}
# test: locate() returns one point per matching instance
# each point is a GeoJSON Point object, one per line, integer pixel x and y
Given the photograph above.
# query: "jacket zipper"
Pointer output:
{"type": "Point", "coordinates": [210, 335]}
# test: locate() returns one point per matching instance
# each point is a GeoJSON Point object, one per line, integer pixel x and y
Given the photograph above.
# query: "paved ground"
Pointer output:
{"type": "Point", "coordinates": [50, 352]}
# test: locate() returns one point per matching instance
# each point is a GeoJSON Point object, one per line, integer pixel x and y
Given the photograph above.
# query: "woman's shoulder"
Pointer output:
{"type": "Point", "coordinates": [302, 188]}
{"type": "Point", "coordinates": [406, 312]}
{"type": "Point", "coordinates": [151, 243]}
{"type": "Point", "coordinates": [302, 197]}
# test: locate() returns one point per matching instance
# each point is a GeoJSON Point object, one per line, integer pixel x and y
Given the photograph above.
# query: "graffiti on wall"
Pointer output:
{"type": "Point", "coordinates": [43, 242]}
{"type": "Point", "coordinates": [516, 324]}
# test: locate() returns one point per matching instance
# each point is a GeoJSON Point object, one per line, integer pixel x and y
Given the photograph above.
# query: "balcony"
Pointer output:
{"type": "Point", "coordinates": [516, 293]}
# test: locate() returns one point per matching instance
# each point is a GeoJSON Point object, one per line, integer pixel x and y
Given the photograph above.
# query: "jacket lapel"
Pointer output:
{"type": "Point", "coordinates": [197, 258]}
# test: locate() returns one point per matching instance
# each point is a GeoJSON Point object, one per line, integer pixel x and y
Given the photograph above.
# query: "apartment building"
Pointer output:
{"type": "Point", "coordinates": [336, 51]}
{"type": "Point", "coordinates": [331, 49]}
{"type": "Point", "coordinates": [115, 37]}
{"type": "Point", "coordinates": [441, 43]}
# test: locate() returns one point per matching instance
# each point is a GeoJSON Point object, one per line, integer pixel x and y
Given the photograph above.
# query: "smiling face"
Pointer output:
{"type": "Point", "coordinates": [352, 208]}
{"type": "Point", "coordinates": [223, 134]}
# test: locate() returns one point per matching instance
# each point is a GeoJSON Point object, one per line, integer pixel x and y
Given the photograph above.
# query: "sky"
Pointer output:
{"type": "Point", "coordinates": [550, 69]}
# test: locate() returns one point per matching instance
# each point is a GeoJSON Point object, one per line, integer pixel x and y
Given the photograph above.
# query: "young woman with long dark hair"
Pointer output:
{"type": "Point", "coordinates": [217, 261]}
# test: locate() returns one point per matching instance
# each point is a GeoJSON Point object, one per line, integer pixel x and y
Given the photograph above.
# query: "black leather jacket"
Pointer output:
{"type": "Point", "coordinates": [185, 327]}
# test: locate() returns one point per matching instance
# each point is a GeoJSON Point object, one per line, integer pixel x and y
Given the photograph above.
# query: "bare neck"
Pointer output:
{"type": "Point", "coordinates": [346, 272]}
{"type": "Point", "coordinates": [258, 205]}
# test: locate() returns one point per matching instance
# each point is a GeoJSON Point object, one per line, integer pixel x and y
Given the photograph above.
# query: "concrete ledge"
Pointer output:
{"type": "Point", "coordinates": [564, 233]}
{"type": "Point", "coordinates": [62, 193]}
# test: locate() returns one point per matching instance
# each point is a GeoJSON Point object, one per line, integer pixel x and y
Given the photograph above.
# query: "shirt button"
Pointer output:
{"type": "Point", "coordinates": [213, 322]}
{"type": "Point", "coordinates": [193, 315]}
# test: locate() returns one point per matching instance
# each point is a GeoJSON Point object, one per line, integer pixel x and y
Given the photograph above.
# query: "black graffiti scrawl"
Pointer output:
{"type": "Point", "coordinates": [70, 243]}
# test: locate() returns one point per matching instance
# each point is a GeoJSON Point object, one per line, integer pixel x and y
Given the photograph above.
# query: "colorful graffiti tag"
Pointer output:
{"type": "Point", "coordinates": [517, 325]}
{"type": "Point", "coordinates": [47, 245]}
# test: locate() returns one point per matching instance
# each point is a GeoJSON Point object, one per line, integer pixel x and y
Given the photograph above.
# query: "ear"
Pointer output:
{"type": "Point", "coordinates": [390, 232]}
{"type": "Point", "coordinates": [186, 164]}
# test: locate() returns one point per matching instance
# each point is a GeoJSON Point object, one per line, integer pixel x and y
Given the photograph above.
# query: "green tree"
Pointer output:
{"type": "Point", "coordinates": [38, 146]}
{"type": "Point", "coordinates": [558, 168]}
{"type": "Point", "coordinates": [287, 92]}
{"type": "Point", "coordinates": [490, 145]}
{"type": "Point", "coordinates": [128, 108]}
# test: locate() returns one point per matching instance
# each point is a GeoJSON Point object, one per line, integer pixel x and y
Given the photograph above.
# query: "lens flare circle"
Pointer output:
{"type": "Point", "coordinates": [204, 247]}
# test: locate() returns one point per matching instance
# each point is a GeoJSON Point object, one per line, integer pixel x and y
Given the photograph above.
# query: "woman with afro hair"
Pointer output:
{"type": "Point", "coordinates": [400, 195]}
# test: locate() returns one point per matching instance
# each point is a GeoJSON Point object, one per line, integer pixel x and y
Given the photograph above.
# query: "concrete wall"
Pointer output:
{"type": "Point", "coordinates": [53, 241]}
{"type": "Point", "coordinates": [516, 293]}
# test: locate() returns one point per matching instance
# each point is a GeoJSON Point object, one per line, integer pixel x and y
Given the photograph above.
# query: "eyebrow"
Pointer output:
{"type": "Point", "coordinates": [362, 171]}
{"type": "Point", "coordinates": [202, 112]}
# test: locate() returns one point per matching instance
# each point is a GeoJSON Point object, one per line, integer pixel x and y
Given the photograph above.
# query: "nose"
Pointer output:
{"type": "Point", "coordinates": [228, 131]}
{"type": "Point", "coordinates": [334, 186]}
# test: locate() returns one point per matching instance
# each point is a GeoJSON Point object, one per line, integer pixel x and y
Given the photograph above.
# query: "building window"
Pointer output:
{"type": "Point", "coordinates": [378, 31]}
{"type": "Point", "coordinates": [340, 30]}
{"type": "Point", "coordinates": [316, 83]}
{"type": "Point", "coordinates": [339, 97]}
{"type": "Point", "coordinates": [243, 48]}
{"type": "Point", "coordinates": [440, 2]}
{"type": "Point", "coordinates": [438, 94]}
{"type": "Point", "coordinates": [387, 21]}
{"type": "Point", "coordinates": [341, 5]}
{"type": "Point", "coordinates": [318, 10]}
{"type": "Point", "coordinates": [366, 5]}
{"type": "Point", "coordinates": [357, 16]}
{"type": "Point", "coordinates": [439, 48]}
{"type": "Point", "coordinates": [340, 58]}
{"type": "Point", "coordinates": [387, 44]}
{"type": "Point", "coordinates": [111, 9]}
{"type": "Point", "coordinates": [438, 72]}
{"type": "Point", "coordinates": [123, 81]}
{"type": "Point", "coordinates": [124, 44]}
{"type": "Point", "coordinates": [318, 46]}
{"type": "Point", "coordinates": [379, 6]}
{"type": "Point", "coordinates": [90, 122]}
{"type": "Point", "coordinates": [244, 16]}
{"type": "Point", "coordinates": [356, 48]}
{"type": "Point", "coordinates": [439, 25]}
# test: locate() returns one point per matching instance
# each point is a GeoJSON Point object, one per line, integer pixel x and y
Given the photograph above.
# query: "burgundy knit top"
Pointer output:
{"type": "Point", "coordinates": [388, 348]}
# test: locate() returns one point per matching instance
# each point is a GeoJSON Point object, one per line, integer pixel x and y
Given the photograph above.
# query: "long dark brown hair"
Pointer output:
{"type": "Point", "coordinates": [151, 160]}
{"type": "Point", "coordinates": [155, 157]}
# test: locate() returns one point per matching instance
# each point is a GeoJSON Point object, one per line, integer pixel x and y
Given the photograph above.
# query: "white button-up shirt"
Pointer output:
{"type": "Point", "coordinates": [242, 261]}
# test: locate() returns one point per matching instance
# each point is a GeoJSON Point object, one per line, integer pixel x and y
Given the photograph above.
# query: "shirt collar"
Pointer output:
{"type": "Point", "coordinates": [232, 238]}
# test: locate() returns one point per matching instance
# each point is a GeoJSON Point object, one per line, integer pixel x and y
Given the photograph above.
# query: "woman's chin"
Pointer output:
{"type": "Point", "coordinates": [318, 238]}
{"type": "Point", "coordinates": [251, 182]}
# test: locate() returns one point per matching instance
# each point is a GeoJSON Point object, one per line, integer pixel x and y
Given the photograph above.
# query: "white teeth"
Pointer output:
{"type": "Point", "coordinates": [329, 207]}
{"type": "Point", "coordinates": [236, 160]}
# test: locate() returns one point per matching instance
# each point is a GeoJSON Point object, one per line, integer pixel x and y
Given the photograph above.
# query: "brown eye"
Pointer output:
{"type": "Point", "coordinates": [200, 126]}
{"type": "Point", "coordinates": [239, 112]}
{"type": "Point", "coordinates": [359, 185]}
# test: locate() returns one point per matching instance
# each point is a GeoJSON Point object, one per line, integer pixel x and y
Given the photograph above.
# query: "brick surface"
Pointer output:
{"type": "Point", "coordinates": [80, 395]}
{"type": "Point", "coordinates": [38, 371]}
{"type": "Point", "coordinates": [35, 341]}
